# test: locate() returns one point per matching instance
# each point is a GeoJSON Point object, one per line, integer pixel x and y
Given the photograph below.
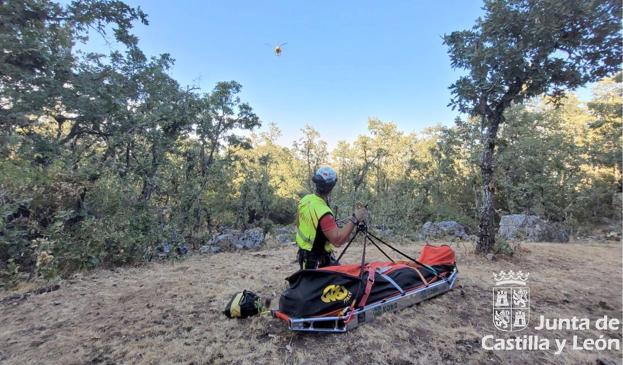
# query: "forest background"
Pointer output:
{"type": "Point", "coordinates": [104, 157]}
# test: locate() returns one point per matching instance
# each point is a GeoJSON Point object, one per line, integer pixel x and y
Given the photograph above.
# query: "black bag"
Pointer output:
{"type": "Point", "coordinates": [243, 305]}
{"type": "Point", "coordinates": [318, 292]}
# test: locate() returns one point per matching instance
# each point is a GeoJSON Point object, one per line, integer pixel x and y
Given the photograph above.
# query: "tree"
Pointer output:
{"type": "Point", "coordinates": [37, 61]}
{"type": "Point", "coordinates": [521, 49]}
{"type": "Point", "coordinates": [313, 150]}
{"type": "Point", "coordinates": [221, 113]}
{"type": "Point", "coordinates": [605, 132]}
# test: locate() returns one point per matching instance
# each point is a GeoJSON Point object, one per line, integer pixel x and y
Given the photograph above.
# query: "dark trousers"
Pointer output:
{"type": "Point", "coordinates": [313, 260]}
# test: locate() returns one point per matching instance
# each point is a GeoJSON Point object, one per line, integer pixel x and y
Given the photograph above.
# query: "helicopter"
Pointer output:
{"type": "Point", "coordinates": [278, 49]}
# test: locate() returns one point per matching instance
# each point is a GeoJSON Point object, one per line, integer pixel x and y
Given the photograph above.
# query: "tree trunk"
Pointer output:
{"type": "Point", "coordinates": [202, 158]}
{"type": "Point", "coordinates": [196, 225]}
{"type": "Point", "coordinates": [486, 227]}
{"type": "Point", "coordinates": [149, 186]}
{"type": "Point", "coordinates": [149, 180]}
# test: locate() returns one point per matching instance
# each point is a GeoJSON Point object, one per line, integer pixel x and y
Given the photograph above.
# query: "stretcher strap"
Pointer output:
{"type": "Point", "coordinates": [391, 281]}
{"type": "Point", "coordinates": [365, 296]}
{"type": "Point", "coordinates": [368, 289]}
{"type": "Point", "coordinates": [426, 283]}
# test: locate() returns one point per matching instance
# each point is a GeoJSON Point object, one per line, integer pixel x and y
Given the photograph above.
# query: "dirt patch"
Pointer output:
{"type": "Point", "coordinates": [171, 313]}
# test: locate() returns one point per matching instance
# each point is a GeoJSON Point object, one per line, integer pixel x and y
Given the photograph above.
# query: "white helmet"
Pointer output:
{"type": "Point", "coordinates": [325, 179]}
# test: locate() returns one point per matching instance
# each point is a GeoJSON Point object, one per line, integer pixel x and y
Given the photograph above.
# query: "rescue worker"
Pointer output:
{"type": "Point", "coordinates": [318, 233]}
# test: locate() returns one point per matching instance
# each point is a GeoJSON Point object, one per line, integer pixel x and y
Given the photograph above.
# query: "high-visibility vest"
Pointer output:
{"type": "Point", "coordinates": [310, 209]}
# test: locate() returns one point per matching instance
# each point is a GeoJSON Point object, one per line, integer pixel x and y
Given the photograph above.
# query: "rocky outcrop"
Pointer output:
{"type": "Point", "coordinates": [233, 240]}
{"type": "Point", "coordinates": [285, 234]}
{"type": "Point", "coordinates": [531, 228]}
{"type": "Point", "coordinates": [443, 229]}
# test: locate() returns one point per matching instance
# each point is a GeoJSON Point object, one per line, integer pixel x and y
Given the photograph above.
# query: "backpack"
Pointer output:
{"type": "Point", "coordinates": [243, 305]}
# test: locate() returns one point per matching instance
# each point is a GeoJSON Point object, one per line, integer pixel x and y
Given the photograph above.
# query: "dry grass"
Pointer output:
{"type": "Point", "coordinates": [166, 313]}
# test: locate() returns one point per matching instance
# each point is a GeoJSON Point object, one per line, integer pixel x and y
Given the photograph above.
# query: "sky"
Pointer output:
{"type": "Point", "coordinates": [344, 61]}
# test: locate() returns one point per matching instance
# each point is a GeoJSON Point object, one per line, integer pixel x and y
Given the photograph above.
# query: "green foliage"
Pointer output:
{"type": "Point", "coordinates": [502, 247]}
{"type": "Point", "coordinates": [522, 49]}
{"type": "Point", "coordinates": [104, 158]}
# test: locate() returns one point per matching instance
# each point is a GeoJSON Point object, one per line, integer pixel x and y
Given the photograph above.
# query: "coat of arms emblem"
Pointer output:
{"type": "Point", "coordinates": [511, 301]}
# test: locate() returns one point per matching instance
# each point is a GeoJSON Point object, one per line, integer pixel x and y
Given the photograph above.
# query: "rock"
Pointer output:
{"type": "Point", "coordinates": [233, 240]}
{"type": "Point", "coordinates": [285, 234]}
{"type": "Point", "coordinates": [285, 238]}
{"type": "Point", "coordinates": [209, 249]}
{"type": "Point", "coordinates": [531, 228]}
{"type": "Point", "coordinates": [613, 236]}
{"type": "Point", "coordinates": [442, 229]}
{"type": "Point", "coordinates": [283, 230]}
{"type": "Point", "coordinates": [251, 238]}
{"type": "Point", "coordinates": [491, 257]}
{"type": "Point", "coordinates": [226, 241]}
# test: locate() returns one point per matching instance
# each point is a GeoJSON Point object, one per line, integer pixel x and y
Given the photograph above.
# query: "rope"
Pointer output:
{"type": "Point", "coordinates": [405, 255]}
{"type": "Point", "coordinates": [380, 249]}
{"type": "Point", "coordinates": [346, 248]}
{"type": "Point", "coordinates": [363, 261]}
{"type": "Point", "coordinates": [369, 236]}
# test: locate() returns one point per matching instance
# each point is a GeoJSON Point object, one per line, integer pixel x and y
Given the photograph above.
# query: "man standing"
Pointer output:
{"type": "Point", "coordinates": [318, 233]}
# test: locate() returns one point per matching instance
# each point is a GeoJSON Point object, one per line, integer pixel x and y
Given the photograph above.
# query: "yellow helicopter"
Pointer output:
{"type": "Point", "coordinates": [279, 48]}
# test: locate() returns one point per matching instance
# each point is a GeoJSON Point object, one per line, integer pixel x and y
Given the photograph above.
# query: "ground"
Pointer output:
{"type": "Point", "coordinates": [170, 313]}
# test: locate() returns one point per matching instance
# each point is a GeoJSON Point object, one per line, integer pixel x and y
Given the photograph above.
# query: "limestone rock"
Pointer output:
{"type": "Point", "coordinates": [232, 240]}
{"type": "Point", "coordinates": [435, 230]}
{"type": "Point", "coordinates": [285, 234]}
{"type": "Point", "coordinates": [531, 228]}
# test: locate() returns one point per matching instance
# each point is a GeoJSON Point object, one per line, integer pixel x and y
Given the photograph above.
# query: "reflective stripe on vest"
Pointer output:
{"type": "Point", "coordinates": [301, 235]}
{"type": "Point", "coordinates": [310, 209]}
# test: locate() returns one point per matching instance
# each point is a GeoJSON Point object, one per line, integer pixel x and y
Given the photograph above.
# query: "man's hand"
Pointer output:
{"type": "Point", "coordinates": [361, 214]}
{"type": "Point", "coordinates": [338, 236]}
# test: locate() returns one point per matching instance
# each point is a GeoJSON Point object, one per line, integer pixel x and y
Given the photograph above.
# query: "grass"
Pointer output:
{"type": "Point", "coordinates": [165, 313]}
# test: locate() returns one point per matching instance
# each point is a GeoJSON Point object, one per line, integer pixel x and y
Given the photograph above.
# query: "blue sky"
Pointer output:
{"type": "Point", "coordinates": [344, 61]}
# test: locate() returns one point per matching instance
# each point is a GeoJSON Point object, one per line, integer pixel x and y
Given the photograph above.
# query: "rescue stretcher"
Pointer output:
{"type": "Point", "coordinates": [340, 298]}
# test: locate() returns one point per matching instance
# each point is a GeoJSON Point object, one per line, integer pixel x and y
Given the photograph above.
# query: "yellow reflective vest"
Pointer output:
{"type": "Point", "coordinates": [310, 209]}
